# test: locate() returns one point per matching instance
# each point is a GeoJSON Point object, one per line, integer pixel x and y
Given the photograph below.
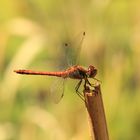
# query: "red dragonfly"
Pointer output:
{"type": "Point", "coordinates": [73, 72]}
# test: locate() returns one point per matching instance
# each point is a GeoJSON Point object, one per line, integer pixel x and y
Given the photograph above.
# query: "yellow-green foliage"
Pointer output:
{"type": "Point", "coordinates": [31, 35]}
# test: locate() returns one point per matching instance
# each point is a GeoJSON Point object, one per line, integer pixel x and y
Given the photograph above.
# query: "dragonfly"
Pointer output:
{"type": "Point", "coordinates": [75, 72]}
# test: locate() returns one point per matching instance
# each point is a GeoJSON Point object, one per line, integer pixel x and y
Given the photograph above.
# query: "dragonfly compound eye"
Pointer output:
{"type": "Point", "coordinates": [92, 71]}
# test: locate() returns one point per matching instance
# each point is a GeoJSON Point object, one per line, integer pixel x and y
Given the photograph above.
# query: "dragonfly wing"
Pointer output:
{"type": "Point", "coordinates": [72, 49]}
{"type": "Point", "coordinates": [57, 90]}
{"type": "Point", "coordinates": [69, 51]}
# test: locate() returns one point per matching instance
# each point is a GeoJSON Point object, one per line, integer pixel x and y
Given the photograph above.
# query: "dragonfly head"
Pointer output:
{"type": "Point", "coordinates": [91, 72]}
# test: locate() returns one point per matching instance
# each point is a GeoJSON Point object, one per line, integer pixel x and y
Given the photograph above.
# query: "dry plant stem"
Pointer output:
{"type": "Point", "coordinates": [95, 108]}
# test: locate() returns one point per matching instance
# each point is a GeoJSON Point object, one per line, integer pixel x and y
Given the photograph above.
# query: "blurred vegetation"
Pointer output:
{"type": "Point", "coordinates": [31, 32]}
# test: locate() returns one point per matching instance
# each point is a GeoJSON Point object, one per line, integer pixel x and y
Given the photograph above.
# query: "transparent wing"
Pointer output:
{"type": "Point", "coordinates": [68, 51]}
{"type": "Point", "coordinates": [57, 90]}
{"type": "Point", "coordinates": [72, 49]}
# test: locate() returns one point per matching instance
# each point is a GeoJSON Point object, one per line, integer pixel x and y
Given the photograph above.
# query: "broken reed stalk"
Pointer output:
{"type": "Point", "coordinates": [95, 108]}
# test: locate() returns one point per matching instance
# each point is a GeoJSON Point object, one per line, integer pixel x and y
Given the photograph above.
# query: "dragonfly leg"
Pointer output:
{"type": "Point", "coordinates": [97, 80]}
{"type": "Point", "coordinates": [80, 95]}
{"type": "Point", "coordinates": [92, 85]}
{"type": "Point", "coordinates": [77, 90]}
{"type": "Point", "coordinates": [78, 85]}
{"type": "Point", "coordinates": [87, 81]}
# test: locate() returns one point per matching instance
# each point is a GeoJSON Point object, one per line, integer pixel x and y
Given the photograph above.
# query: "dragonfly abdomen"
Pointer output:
{"type": "Point", "coordinates": [30, 72]}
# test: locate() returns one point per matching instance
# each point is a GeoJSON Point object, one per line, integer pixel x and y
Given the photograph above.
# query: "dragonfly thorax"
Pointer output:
{"type": "Point", "coordinates": [76, 72]}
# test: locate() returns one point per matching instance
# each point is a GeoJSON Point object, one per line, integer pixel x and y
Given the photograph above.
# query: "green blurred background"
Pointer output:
{"type": "Point", "coordinates": [31, 32]}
